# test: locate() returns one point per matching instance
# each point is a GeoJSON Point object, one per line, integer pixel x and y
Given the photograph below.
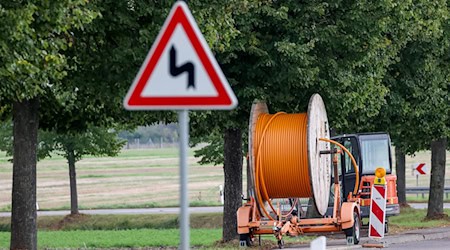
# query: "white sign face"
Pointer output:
{"type": "Point", "coordinates": [180, 71]}
{"type": "Point", "coordinates": [420, 169]}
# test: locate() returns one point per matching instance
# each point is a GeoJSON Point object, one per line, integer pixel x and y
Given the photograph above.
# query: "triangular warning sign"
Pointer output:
{"type": "Point", "coordinates": [180, 72]}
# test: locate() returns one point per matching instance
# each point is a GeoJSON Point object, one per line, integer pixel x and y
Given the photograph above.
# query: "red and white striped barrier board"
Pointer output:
{"type": "Point", "coordinates": [377, 211]}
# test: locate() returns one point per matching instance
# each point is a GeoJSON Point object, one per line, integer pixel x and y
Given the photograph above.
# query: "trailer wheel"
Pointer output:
{"type": "Point", "coordinates": [244, 240]}
{"type": "Point", "coordinates": [354, 231]}
{"type": "Point", "coordinates": [281, 244]}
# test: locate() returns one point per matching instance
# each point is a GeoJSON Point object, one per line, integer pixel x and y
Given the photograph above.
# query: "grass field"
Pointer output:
{"type": "Point", "coordinates": [139, 178]}
{"type": "Point", "coordinates": [135, 178]}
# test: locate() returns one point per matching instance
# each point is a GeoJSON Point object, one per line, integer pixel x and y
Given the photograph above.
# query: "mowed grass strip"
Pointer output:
{"type": "Point", "coordinates": [117, 231]}
{"type": "Point", "coordinates": [119, 238]}
{"type": "Point", "coordinates": [130, 231]}
{"type": "Point", "coordinates": [411, 218]}
{"type": "Point", "coordinates": [120, 222]}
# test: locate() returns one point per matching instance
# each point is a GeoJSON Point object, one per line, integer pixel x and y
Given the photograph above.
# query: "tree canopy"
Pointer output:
{"type": "Point", "coordinates": [286, 51]}
{"type": "Point", "coordinates": [34, 38]}
{"type": "Point", "coordinates": [415, 111]}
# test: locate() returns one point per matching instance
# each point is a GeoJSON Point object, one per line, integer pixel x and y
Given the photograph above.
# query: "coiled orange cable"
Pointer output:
{"type": "Point", "coordinates": [280, 149]}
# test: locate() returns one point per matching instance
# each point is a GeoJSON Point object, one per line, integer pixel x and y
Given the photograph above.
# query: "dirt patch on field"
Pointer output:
{"type": "Point", "coordinates": [70, 219]}
{"type": "Point", "coordinates": [442, 216]}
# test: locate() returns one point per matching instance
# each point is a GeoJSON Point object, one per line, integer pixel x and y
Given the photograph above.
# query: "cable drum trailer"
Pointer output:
{"type": "Point", "coordinates": [289, 158]}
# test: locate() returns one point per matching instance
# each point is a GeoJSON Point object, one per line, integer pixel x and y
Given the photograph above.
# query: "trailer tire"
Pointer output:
{"type": "Point", "coordinates": [244, 240]}
{"type": "Point", "coordinates": [355, 230]}
{"type": "Point", "coordinates": [281, 244]}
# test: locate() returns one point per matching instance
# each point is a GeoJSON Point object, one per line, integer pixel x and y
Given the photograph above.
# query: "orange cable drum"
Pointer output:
{"type": "Point", "coordinates": [285, 155]}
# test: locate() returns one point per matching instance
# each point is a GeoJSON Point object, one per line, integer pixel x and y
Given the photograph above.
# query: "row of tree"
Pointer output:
{"type": "Point", "coordinates": [94, 141]}
{"type": "Point", "coordinates": [66, 65]}
{"type": "Point", "coordinates": [155, 134]}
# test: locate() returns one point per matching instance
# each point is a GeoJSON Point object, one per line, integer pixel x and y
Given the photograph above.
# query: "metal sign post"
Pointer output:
{"type": "Point", "coordinates": [419, 169]}
{"type": "Point", "coordinates": [183, 123]}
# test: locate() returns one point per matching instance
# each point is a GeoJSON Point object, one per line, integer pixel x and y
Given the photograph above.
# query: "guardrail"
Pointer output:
{"type": "Point", "coordinates": [424, 190]}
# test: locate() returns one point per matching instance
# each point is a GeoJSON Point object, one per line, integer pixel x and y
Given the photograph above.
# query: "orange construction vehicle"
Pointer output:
{"type": "Point", "coordinates": [370, 150]}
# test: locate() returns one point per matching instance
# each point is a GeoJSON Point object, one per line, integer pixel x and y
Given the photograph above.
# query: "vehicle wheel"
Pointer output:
{"type": "Point", "coordinates": [354, 231]}
{"type": "Point", "coordinates": [244, 240]}
{"type": "Point", "coordinates": [281, 244]}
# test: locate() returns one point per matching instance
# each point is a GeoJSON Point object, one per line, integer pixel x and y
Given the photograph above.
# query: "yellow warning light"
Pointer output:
{"type": "Point", "coordinates": [380, 172]}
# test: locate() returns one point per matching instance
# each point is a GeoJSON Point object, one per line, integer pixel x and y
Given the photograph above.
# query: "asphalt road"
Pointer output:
{"type": "Point", "coordinates": [426, 244]}
{"type": "Point", "coordinates": [166, 210]}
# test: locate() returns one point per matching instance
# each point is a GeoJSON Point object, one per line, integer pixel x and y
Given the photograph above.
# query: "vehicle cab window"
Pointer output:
{"type": "Point", "coordinates": [351, 145]}
{"type": "Point", "coordinates": [375, 154]}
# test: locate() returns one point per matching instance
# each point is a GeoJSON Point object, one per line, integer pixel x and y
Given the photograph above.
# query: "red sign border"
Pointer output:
{"type": "Point", "coordinates": [226, 99]}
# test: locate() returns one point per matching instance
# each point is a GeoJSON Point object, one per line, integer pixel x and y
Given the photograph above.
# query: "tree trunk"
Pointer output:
{"type": "Point", "coordinates": [73, 182]}
{"type": "Point", "coordinates": [233, 182]}
{"type": "Point", "coordinates": [23, 218]}
{"type": "Point", "coordinates": [437, 181]}
{"type": "Point", "coordinates": [401, 175]}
